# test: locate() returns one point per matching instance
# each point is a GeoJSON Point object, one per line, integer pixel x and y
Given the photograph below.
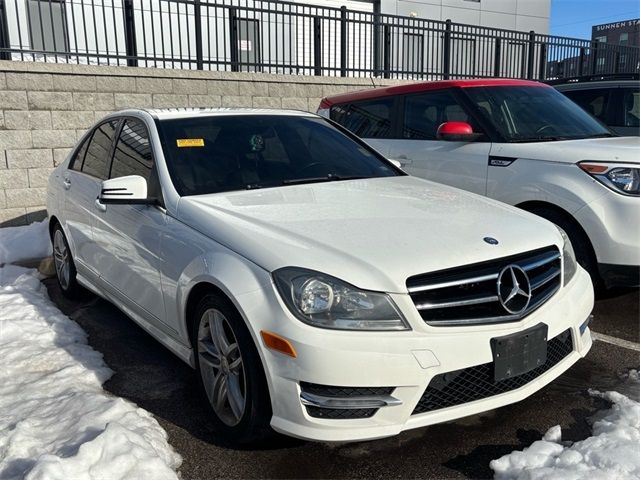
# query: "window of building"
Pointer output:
{"type": "Point", "coordinates": [132, 155]}
{"type": "Point", "coordinates": [370, 119]}
{"type": "Point", "coordinates": [602, 39]}
{"type": "Point", "coordinates": [47, 25]}
{"type": "Point", "coordinates": [248, 44]}
{"type": "Point", "coordinates": [96, 159]}
{"type": "Point", "coordinates": [624, 38]}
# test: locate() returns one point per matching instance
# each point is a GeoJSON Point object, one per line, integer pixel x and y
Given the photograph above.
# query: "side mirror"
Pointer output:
{"type": "Point", "coordinates": [396, 163]}
{"type": "Point", "coordinates": [131, 189]}
{"type": "Point", "coordinates": [456, 132]}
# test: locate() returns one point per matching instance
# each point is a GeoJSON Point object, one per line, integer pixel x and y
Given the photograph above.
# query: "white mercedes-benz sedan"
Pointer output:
{"type": "Point", "coordinates": [317, 289]}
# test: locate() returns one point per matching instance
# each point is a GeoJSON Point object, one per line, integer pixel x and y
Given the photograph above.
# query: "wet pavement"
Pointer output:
{"type": "Point", "coordinates": [147, 374]}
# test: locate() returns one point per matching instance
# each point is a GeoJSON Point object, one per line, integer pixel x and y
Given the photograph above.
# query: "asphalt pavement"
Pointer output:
{"type": "Point", "coordinates": [149, 375]}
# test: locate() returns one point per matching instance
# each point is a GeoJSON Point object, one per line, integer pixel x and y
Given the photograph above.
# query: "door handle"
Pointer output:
{"type": "Point", "coordinates": [67, 183]}
{"type": "Point", "coordinates": [100, 206]}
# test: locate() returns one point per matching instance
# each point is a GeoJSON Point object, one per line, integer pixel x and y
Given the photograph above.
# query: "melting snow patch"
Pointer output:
{"type": "Point", "coordinates": [24, 243]}
{"type": "Point", "coordinates": [56, 422]}
{"type": "Point", "coordinates": [612, 452]}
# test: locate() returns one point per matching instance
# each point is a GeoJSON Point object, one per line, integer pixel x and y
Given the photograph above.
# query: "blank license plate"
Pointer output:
{"type": "Point", "coordinates": [520, 352]}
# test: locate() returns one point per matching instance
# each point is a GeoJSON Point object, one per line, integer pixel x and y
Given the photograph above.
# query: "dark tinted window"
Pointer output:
{"type": "Point", "coordinates": [97, 157]}
{"type": "Point", "coordinates": [132, 155]}
{"type": "Point", "coordinates": [525, 114]}
{"type": "Point", "coordinates": [371, 119]}
{"type": "Point", "coordinates": [78, 158]}
{"type": "Point", "coordinates": [594, 101]}
{"type": "Point", "coordinates": [631, 106]}
{"type": "Point", "coordinates": [425, 112]}
{"type": "Point", "coordinates": [223, 153]}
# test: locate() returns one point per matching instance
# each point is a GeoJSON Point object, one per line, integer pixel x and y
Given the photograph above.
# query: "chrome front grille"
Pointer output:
{"type": "Point", "coordinates": [470, 295]}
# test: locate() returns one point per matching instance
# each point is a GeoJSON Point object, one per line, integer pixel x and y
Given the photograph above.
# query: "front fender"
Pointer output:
{"type": "Point", "coordinates": [560, 184]}
{"type": "Point", "coordinates": [228, 272]}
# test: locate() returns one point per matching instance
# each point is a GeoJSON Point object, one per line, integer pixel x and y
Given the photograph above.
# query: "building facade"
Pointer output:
{"type": "Point", "coordinates": [613, 49]}
{"type": "Point", "coordinates": [523, 15]}
{"type": "Point", "coordinates": [625, 33]}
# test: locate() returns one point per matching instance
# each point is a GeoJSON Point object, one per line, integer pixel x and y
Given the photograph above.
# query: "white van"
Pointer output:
{"type": "Point", "coordinates": [520, 142]}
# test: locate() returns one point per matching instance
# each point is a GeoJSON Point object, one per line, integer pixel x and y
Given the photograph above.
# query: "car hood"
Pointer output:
{"type": "Point", "coordinates": [372, 233]}
{"type": "Point", "coordinates": [614, 149]}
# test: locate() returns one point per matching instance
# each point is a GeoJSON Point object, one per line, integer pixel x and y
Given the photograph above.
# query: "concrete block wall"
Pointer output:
{"type": "Point", "coordinates": [45, 108]}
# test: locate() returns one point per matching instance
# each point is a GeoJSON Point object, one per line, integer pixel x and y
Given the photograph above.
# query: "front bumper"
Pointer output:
{"type": "Point", "coordinates": [407, 361]}
{"type": "Point", "coordinates": [610, 223]}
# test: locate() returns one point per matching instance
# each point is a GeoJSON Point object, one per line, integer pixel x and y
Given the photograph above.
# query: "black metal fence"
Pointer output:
{"type": "Point", "coordinates": [290, 38]}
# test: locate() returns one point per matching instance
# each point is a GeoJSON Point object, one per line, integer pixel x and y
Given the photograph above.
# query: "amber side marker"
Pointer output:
{"type": "Point", "coordinates": [593, 168]}
{"type": "Point", "coordinates": [278, 343]}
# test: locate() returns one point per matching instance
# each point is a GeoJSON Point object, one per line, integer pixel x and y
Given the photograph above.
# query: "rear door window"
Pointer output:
{"type": "Point", "coordinates": [78, 158]}
{"type": "Point", "coordinates": [97, 157]}
{"type": "Point", "coordinates": [370, 119]}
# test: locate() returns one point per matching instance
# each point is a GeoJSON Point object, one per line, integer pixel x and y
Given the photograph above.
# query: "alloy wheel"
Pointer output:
{"type": "Point", "coordinates": [222, 367]}
{"type": "Point", "coordinates": [61, 259]}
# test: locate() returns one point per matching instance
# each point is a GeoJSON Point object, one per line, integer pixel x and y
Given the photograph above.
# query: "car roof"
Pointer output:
{"type": "Point", "coordinates": [174, 113]}
{"type": "Point", "coordinates": [425, 86]}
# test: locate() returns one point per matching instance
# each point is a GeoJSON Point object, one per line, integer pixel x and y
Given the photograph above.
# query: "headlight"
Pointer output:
{"type": "Point", "coordinates": [569, 258]}
{"type": "Point", "coordinates": [325, 301]}
{"type": "Point", "coordinates": [619, 177]}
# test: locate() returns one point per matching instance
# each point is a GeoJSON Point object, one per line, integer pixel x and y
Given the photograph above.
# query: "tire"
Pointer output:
{"type": "Point", "coordinates": [585, 255]}
{"type": "Point", "coordinates": [65, 267]}
{"type": "Point", "coordinates": [230, 373]}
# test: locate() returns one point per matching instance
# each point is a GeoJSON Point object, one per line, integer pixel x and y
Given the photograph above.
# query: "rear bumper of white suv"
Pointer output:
{"type": "Point", "coordinates": [397, 368]}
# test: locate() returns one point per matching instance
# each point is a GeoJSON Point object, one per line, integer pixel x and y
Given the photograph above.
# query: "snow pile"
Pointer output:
{"type": "Point", "coordinates": [56, 422]}
{"type": "Point", "coordinates": [24, 243]}
{"type": "Point", "coordinates": [612, 452]}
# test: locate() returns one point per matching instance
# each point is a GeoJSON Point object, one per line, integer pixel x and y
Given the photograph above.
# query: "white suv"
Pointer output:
{"type": "Point", "coordinates": [519, 142]}
{"type": "Point", "coordinates": [316, 288]}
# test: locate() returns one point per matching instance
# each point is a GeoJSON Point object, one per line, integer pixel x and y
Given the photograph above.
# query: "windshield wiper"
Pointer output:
{"type": "Point", "coordinates": [601, 135]}
{"type": "Point", "coordinates": [332, 177]}
{"type": "Point", "coordinates": [557, 138]}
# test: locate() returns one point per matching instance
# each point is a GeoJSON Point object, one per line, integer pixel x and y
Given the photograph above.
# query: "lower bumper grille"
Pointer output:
{"type": "Point", "coordinates": [475, 383]}
{"type": "Point", "coordinates": [340, 414]}
{"type": "Point", "coordinates": [332, 402]}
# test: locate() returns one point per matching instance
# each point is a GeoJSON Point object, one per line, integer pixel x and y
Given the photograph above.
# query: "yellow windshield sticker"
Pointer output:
{"type": "Point", "coordinates": [190, 142]}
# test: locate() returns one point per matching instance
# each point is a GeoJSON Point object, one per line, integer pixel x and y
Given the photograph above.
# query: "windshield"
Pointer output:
{"type": "Point", "coordinates": [211, 154]}
{"type": "Point", "coordinates": [522, 114]}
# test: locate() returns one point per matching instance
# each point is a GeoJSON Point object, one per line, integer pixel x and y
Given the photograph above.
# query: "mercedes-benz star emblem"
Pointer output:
{"type": "Point", "coordinates": [514, 289]}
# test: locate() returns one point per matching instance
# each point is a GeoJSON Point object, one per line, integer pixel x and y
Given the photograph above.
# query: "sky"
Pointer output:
{"type": "Point", "coordinates": [574, 18]}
